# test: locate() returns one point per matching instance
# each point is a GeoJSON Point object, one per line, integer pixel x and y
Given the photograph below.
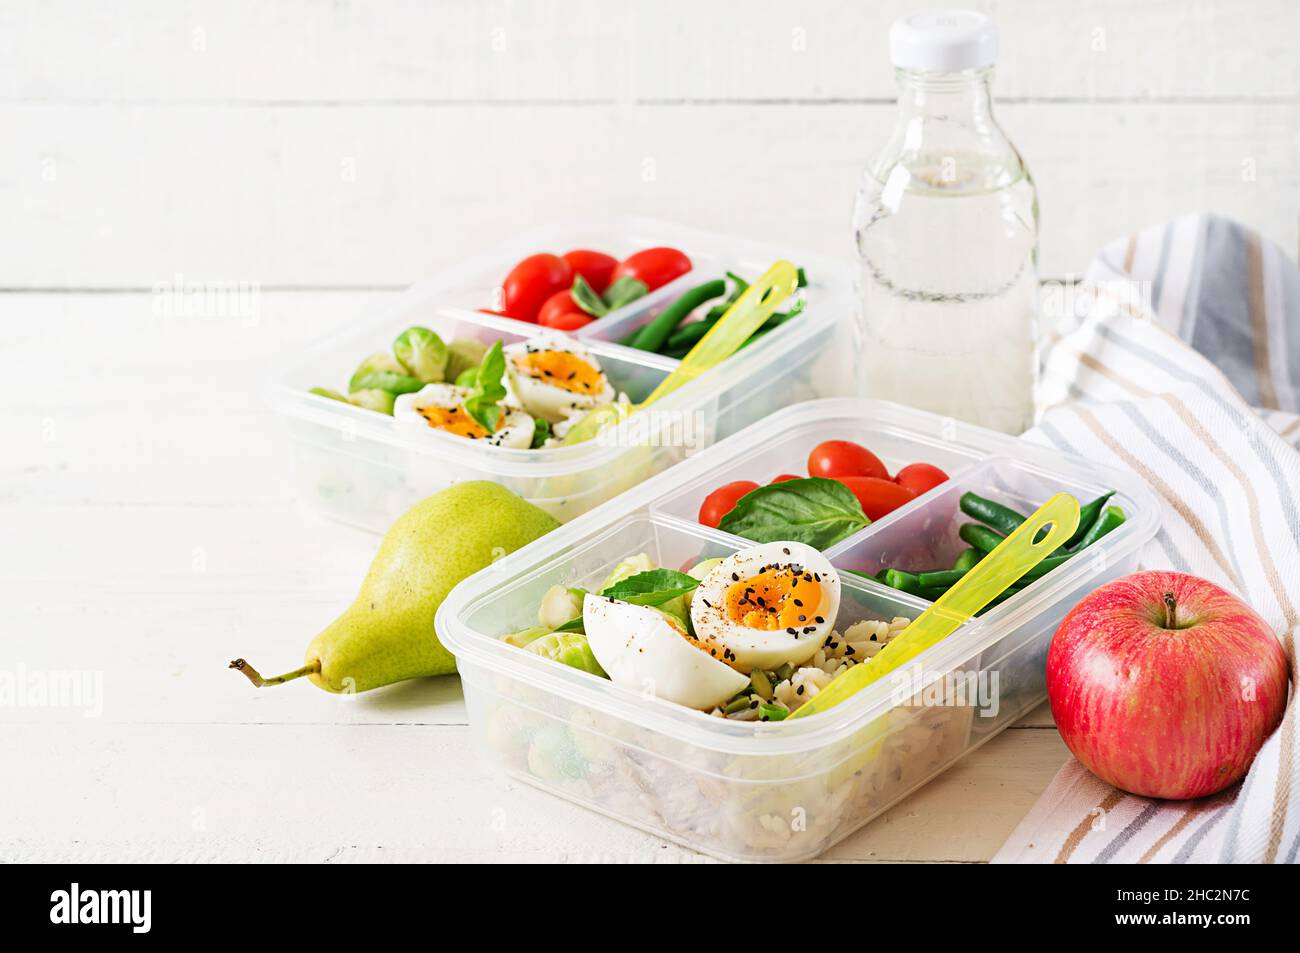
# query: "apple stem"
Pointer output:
{"type": "Point", "coordinates": [1171, 611]}
{"type": "Point", "coordinates": [239, 665]}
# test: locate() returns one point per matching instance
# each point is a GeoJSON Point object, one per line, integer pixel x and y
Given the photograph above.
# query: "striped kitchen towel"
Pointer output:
{"type": "Point", "coordinates": [1179, 359]}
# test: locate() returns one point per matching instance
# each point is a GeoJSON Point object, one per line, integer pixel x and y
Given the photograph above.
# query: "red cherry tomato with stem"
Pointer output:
{"type": "Point", "coordinates": [569, 321]}
{"type": "Point", "coordinates": [844, 458]}
{"type": "Point", "coordinates": [562, 313]}
{"type": "Point", "coordinates": [531, 282]}
{"type": "Point", "coordinates": [878, 497]}
{"type": "Point", "coordinates": [654, 266]}
{"type": "Point", "coordinates": [723, 500]}
{"type": "Point", "coordinates": [594, 266]}
{"type": "Point", "coordinates": [920, 477]}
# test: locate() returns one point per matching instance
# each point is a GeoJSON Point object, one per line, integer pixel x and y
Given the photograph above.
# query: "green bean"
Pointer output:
{"type": "Point", "coordinates": [718, 310]}
{"type": "Point", "coordinates": [1087, 516]}
{"type": "Point", "coordinates": [967, 559]}
{"type": "Point", "coordinates": [771, 324]}
{"type": "Point", "coordinates": [1046, 566]}
{"type": "Point", "coordinates": [781, 674]}
{"type": "Point", "coordinates": [904, 581]}
{"type": "Point", "coordinates": [981, 537]}
{"type": "Point", "coordinates": [688, 334]}
{"type": "Point", "coordinates": [932, 592]}
{"type": "Point", "coordinates": [762, 686]}
{"type": "Point", "coordinates": [941, 578]}
{"type": "Point", "coordinates": [1001, 518]}
{"type": "Point", "coordinates": [1111, 518]}
{"type": "Point", "coordinates": [655, 332]}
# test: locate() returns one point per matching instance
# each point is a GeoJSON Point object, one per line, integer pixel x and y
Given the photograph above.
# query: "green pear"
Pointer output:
{"type": "Point", "coordinates": [387, 634]}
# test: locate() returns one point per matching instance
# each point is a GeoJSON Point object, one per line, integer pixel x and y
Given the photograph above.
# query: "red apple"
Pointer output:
{"type": "Point", "coordinates": [1165, 685]}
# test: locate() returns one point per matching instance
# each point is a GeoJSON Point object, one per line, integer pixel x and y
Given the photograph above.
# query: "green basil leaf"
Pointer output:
{"type": "Point", "coordinates": [541, 431]}
{"type": "Point", "coordinates": [652, 588]}
{"type": "Point", "coordinates": [625, 291]}
{"type": "Point", "coordinates": [815, 511]}
{"type": "Point", "coordinates": [484, 405]}
{"type": "Point", "coordinates": [585, 297]}
{"type": "Point", "coordinates": [573, 625]}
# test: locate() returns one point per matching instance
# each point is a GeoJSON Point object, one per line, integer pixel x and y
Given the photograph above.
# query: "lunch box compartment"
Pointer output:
{"type": "Point", "coordinates": [779, 791]}
{"type": "Point", "coordinates": [571, 745]}
{"type": "Point", "coordinates": [476, 282]}
{"type": "Point", "coordinates": [365, 469]}
{"type": "Point", "coordinates": [787, 450]}
{"type": "Point", "coordinates": [923, 535]}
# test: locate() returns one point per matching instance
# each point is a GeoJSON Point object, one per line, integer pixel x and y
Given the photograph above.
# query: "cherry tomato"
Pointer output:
{"type": "Point", "coordinates": [723, 500]}
{"type": "Point", "coordinates": [878, 497]}
{"type": "Point", "coordinates": [531, 282]}
{"type": "Point", "coordinates": [783, 477]}
{"type": "Point", "coordinates": [568, 321]}
{"type": "Point", "coordinates": [844, 458]}
{"type": "Point", "coordinates": [655, 266]}
{"type": "Point", "coordinates": [596, 267]}
{"type": "Point", "coordinates": [557, 309]}
{"type": "Point", "coordinates": [920, 477]}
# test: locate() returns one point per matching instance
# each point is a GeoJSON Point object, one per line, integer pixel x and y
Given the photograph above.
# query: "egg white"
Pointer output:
{"type": "Point", "coordinates": [750, 647]}
{"type": "Point", "coordinates": [514, 430]}
{"type": "Point", "coordinates": [544, 399]}
{"type": "Point", "coordinates": [641, 649]}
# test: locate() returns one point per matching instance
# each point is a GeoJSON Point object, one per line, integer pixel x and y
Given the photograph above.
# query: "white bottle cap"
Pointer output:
{"type": "Point", "coordinates": [943, 41]}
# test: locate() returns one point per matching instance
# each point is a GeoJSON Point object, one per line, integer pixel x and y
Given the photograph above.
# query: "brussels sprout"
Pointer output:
{"type": "Point", "coordinates": [422, 353]}
{"type": "Point", "coordinates": [559, 605]}
{"type": "Point", "coordinates": [702, 569]}
{"type": "Point", "coordinates": [377, 400]}
{"type": "Point", "coordinates": [676, 611]}
{"type": "Point", "coordinates": [553, 757]}
{"type": "Point", "coordinates": [464, 354]}
{"type": "Point", "coordinates": [699, 571]}
{"type": "Point", "coordinates": [628, 568]}
{"type": "Point", "coordinates": [382, 372]}
{"type": "Point", "coordinates": [326, 392]}
{"type": "Point", "coordinates": [523, 637]}
{"type": "Point", "coordinates": [567, 648]}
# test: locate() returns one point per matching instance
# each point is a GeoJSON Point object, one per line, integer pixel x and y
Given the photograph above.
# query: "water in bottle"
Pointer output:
{"type": "Point", "coordinates": [946, 223]}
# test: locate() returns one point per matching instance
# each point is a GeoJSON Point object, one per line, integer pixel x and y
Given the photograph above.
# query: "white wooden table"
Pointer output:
{"type": "Point", "coordinates": [328, 154]}
{"type": "Point", "coordinates": [150, 535]}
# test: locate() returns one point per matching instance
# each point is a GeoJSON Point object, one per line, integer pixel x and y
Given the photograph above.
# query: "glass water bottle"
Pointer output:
{"type": "Point", "coordinates": [946, 223]}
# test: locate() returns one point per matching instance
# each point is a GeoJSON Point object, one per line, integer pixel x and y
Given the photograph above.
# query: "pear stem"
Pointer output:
{"type": "Point", "coordinates": [1171, 611]}
{"type": "Point", "coordinates": [239, 665]}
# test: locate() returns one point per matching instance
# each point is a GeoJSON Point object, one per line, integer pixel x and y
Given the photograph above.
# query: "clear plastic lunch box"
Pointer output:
{"type": "Point", "coordinates": [782, 791]}
{"type": "Point", "coordinates": [365, 468]}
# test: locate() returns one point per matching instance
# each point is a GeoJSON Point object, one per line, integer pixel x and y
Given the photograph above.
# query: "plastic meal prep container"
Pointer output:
{"type": "Point", "coordinates": [788, 790]}
{"type": "Point", "coordinates": [366, 468]}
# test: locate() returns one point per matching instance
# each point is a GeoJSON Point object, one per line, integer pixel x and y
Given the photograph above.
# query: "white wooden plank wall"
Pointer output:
{"type": "Point", "coordinates": [309, 144]}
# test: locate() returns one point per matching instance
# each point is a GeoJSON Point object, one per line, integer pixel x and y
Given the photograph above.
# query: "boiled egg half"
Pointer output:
{"type": "Point", "coordinates": [767, 605]}
{"type": "Point", "coordinates": [642, 649]}
{"type": "Point", "coordinates": [442, 407]}
{"type": "Point", "coordinates": [554, 377]}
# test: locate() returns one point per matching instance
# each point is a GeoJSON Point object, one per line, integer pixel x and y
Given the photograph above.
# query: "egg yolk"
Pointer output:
{"type": "Point", "coordinates": [777, 598]}
{"type": "Point", "coordinates": [561, 369]}
{"type": "Point", "coordinates": [453, 420]}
